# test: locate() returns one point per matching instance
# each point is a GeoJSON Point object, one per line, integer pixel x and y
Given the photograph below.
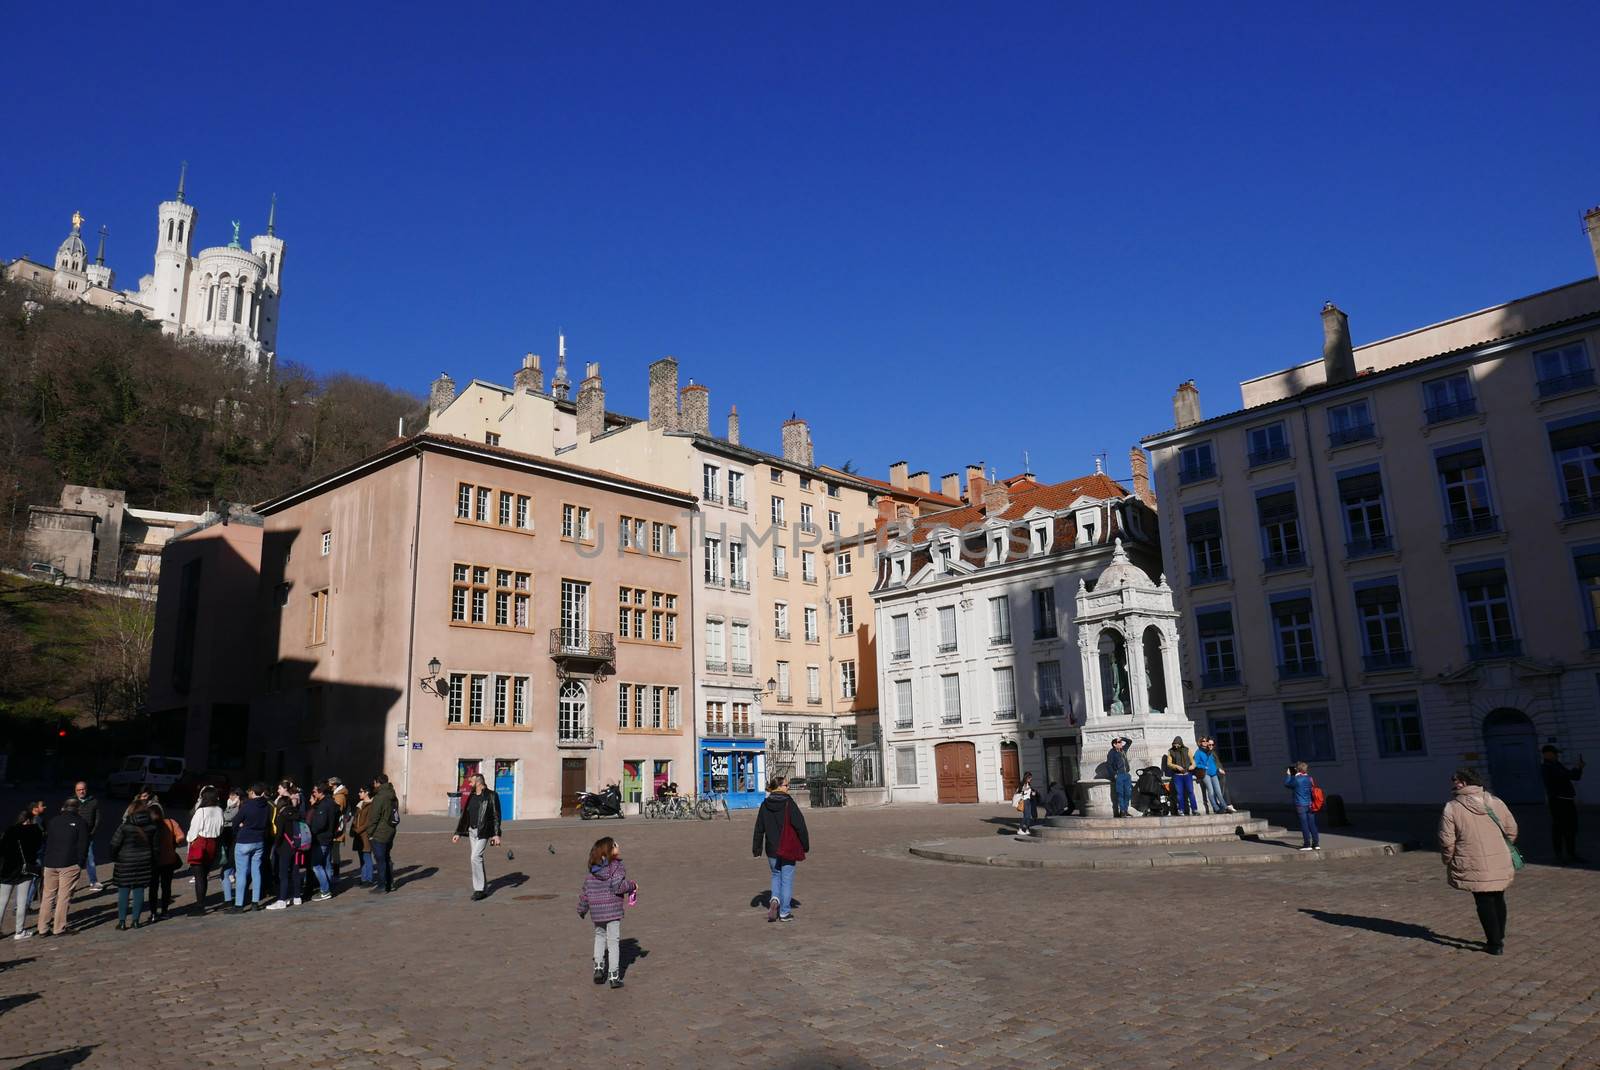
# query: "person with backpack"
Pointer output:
{"type": "Point", "coordinates": [323, 819]}
{"type": "Point", "coordinates": [780, 832]}
{"type": "Point", "coordinates": [291, 841]}
{"type": "Point", "coordinates": [1178, 764]}
{"type": "Point", "coordinates": [1477, 841]}
{"type": "Point", "coordinates": [606, 889]}
{"type": "Point", "coordinates": [381, 829]}
{"type": "Point", "coordinates": [169, 837]}
{"type": "Point", "coordinates": [252, 835]}
{"type": "Point", "coordinates": [19, 865]}
{"type": "Point", "coordinates": [358, 832]}
{"type": "Point", "coordinates": [133, 856]}
{"type": "Point", "coordinates": [480, 823]}
{"type": "Point", "coordinates": [1306, 804]}
{"type": "Point", "coordinates": [205, 835]}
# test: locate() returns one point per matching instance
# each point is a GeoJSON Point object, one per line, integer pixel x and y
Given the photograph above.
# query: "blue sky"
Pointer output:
{"type": "Point", "coordinates": [941, 232]}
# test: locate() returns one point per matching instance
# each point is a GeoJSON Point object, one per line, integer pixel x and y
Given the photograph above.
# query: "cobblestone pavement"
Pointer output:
{"type": "Point", "coordinates": [893, 962]}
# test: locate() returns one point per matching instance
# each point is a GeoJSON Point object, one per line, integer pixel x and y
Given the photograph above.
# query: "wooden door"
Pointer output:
{"type": "Point", "coordinates": [957, 765]}
{"type": "Point", "coordinates": [1010, 769]}
{"type": "Point", "coordinates": [574, 779]}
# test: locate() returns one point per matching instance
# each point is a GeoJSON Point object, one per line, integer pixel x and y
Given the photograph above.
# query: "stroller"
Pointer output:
{"type": "Point", "coordinates": [1150, 788]}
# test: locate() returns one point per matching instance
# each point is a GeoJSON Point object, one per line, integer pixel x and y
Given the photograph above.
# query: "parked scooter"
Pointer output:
{"type": "Point", "coordinates": [598, 804]}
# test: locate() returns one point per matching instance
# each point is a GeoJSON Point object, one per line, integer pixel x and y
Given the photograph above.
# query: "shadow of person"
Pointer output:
{"type": "Point", "coordinates": [60, 1059]}
{"type": "Point", "coordinates": [629, 950]}
{"type": "Point", "coordinates": [414, 874]}
{"type": "Point", "coordinates": [763, 899]}
{"type": "Point", "coordinates": [11, 1003]}
{"type": "Point", "coordinates": [506, 880]}
{"type": "Point", "coordinates": [1389, 927]}
{"type": "Point", "coordinates": [11, 964]}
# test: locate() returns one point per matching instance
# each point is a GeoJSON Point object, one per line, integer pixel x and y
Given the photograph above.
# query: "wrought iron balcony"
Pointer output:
{"type": "Point", "coordinates": [947, 648]}
{"type": "Point", "coordinates": [716, 666]}
{"type": "Point", "coordinates": [950, 718]}
{"type": "Point", "coordinates": [902, 726]}
{"type": "Point", "coordinates": [900, 655]}
{"type": "Point", "coordinates": [1287, 559]}
{"type": "Point", "coordinates": [1213, 574]}
{"type": "Point", "coordinates": [736, 503]}
{"type": "Point", "coordinates": [711, 497]}
{"type": "Point", "coordinates": [575, 735]}
{"type": "Point", "coordinates": [1194, 473]}
{"type": "Point", "coordinates": [1490, 649]}
{"type": "Point", "coordinates": [1465, 527]}
{"type": "Point", "coordinates": [739, 584]}
{"type": "Point", "coordinates": [1345, 435]}
{"type": "Point", "coordinates": [994, 640]}
{"type": "Point", "coordinates": [741, 668]}
{"type": "Point", "coordinates": [1451, 410]}
{"type": "Point", "coordinates": [1376, 544]}
{"type": "Point", "coordinates": [1269, 454]}
{"type": "Point", "coordinates": [1573, 508]}
{"type": "Point", "coordinates": [781, 633]}
{"type": "Point", "coordinates": [1386, 659]}
{"type": "Point", "coordinates": [1052, 709]}
{"type": "Point", "coordinates": [1560, 384]}
{"type": "Point", "coordinates": [571, 645]}
{"type": "Point", "coordinates": [1300, 670]}
{"type": "Point", "coordinates": [1006, 713]}
{"type": "Point", "coordinates": [1220, 678]}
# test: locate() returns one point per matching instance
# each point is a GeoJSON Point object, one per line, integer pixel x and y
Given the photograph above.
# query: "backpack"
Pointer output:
{"type": "Point", "coordinates": [394, 816]}
{"type": "Point", "coordinates": [1318, 799]}
{"type": "Point", "coordinates": [299, 836]}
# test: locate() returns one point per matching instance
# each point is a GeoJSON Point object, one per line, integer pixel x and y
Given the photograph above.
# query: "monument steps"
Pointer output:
{"type": "Point", "coordinates": [1155, 831]}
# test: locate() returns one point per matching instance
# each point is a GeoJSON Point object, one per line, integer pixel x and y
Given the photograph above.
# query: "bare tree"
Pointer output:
{"type": "Point", "coordinates": [126, 631]}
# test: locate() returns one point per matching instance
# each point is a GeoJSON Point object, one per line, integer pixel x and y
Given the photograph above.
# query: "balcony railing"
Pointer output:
{"type": "Point", "coordinates": [1047, 632]}
{"type": "Point", "coordinates": [1343, 436]}
{"type": "Point", "coordinates": [785, 696]}
{"type": "Point", "coordinates": [1052, 709]}
{"type": "Point", "coordinates": [736, 503]}
{"type": "Point", "coordinates": [900, 655]}
{"type": "Point", "coordinates": [1560, 384]}
{"type": "Point", "coordinates": [947, 648]}
{"type": "Point", "coordinates": [1287, 559]}
{"type": "Point", "coordinates": [813, 700]}
{"type": "Point", "coordinates": [716, 666]}
{"type": "Point", "coordinates": [950, 718]}
{"type": "Point", "coordinates": [1465, 527]}
{"type": "Point", "coordinates": [1194, 473]}
{"type": "Point", "coordinates": [781, 633]}
{"type": "Point", "coordinates": [997, 640]}
{"type": "Point", "coordinates": [739, 584]}
{"type": "Point", "coordinates": [1214, 574]}
{"type": "Point", "coordinates": [1573, 508]}
{"type": "Point", "coordinates": [1006, 713]}
{"type": "Point", "coordinates": [1269, 454]}
{"type": "Point", "coordinates": [1386, 659]}
{"type": "Point", "coordinates": [1220, 678]}
{"type": "Point", "coordinates": [575, 735]}
{"type": "Point", "coordinates": [1375, 544]}
{"type": "Point", "coordinates": [1490, 649]}
{"type": "Point", "coordinates": [902, 726]}
{"type": "Point", "coordinates": [1300, 670]}
{"type": "Point", "coordinates": [741, 668]}
{"type": "Point", "coordinates": [780, 573]}
{"type": "Point", "coordinates": [715, 580]}
{"type": "Point", "coordinates": [728, 730]}
{"type": "Point", "coordinates": [712, 497]}
{"type": "Point", "coordinates": [1451, 410]}
{"type": "Point", "coordinates": [779, 522]}
{"type": "Point", "coordinates": [807, 526]}
{"type": "Point", "coordinates": [593, 646]}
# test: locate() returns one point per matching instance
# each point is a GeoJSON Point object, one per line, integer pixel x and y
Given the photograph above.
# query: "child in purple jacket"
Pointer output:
{"type": "Point", "coordinates": [605, 888]}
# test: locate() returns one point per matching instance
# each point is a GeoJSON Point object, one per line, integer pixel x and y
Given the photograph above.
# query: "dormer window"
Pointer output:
{"type": "Point", "coordinates": [1041, 536]}
{"type": "Point", "coordinates": [900, 567]}
{"type": "Point", "coordinates": [1087, 521]}
{"type": "Point", "coordinates": [944, 552]}
{"type": "Point", "coordinates": [998, 545]}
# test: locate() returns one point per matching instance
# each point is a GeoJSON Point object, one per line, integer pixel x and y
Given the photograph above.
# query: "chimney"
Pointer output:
{"type": "Point", "coordinates": [1338, 359]}
{"type": "Point", "coordinates": [950, 485]}
{"type": "Point", "coordinates": [996, 496]}
{"type": "Point", "coordinates": [974, 484]}
{"type": "Point", "coordinates": [1141, 477]}
{"type": "Point", "coordinates": [1591, 223]}
{"type": "Point", "coordinates": [591, 404]}
{"type": "Point", "coordinates": [733, 424]}
{"type": "Point", "coordinates": [664, 394]}
{"type": "Point", "coordinates": [442, 393]}
{"type": "Point", "coordinates": [797, 441]}
{"type": "Point", "coordinates": [1186, 405]}
{"type": "Point", "coordinates": [695, 410]}
{"type": "Point", "coordinates": [897, 474]}
{"type": "Point", "coordinates": [919, 481]}
{"type": "Point", "coordinates": [529, 378]}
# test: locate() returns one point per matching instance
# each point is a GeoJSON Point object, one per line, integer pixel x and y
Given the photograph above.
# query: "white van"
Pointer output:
{"type": "Point", "coordinates": [144, 770]}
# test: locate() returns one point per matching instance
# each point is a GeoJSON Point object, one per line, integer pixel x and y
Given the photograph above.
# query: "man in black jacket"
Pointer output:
{"type": "Point", "coordinates": [89, 810]}
{"type": "Point", "coordinates": [1563, 800]}
{"type": "Point", "coordinates": [777, 813]}
{"type": "Point", "coordinates": [480, 823]}
{"type": "Point", "coordinates": [323, 818]}
{"type": "Point", "coordinates": [66, 845]}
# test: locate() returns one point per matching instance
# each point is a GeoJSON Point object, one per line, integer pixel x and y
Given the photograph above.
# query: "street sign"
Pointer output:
{"type": "Point", "coordinates": [416, 746]}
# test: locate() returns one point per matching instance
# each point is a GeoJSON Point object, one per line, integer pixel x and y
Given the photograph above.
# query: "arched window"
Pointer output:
{"type": "Point", "coordinates": [180, 232]}
{"type": "Point", "coordinates": [169, 230]}
{"type": "Point", "coordinates": [211, 299]}
{"type": "Point", "coordinates": [1155, 671]}
{"type": "Point", "coordinates": [573, 712]}
{"type": "Point", "coordinates": [238, 300]}
{"type": "Point", "coordinates": [1114, 673]}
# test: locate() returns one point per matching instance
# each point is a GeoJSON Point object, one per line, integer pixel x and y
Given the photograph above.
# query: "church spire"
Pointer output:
{"type": "Point", "coordinates": [183, 172]}
{"type": "Point", "coordinates": [100, 255]}
{"type": "Point", "coordinates": [272, 215]}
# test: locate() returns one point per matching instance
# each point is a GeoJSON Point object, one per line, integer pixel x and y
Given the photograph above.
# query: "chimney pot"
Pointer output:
{"type": "Point", "coordinates": [1141, 477]}
{"type": "Point", "coordinates": [974, 484]}
{"type": "Point", "coordinates": [919, 481]}
{"type": "Point", "coordinates": [1186, 405]}
{"type": "Point", "coordinates": [897, 474]}
{"type": "Point", "coordinates": [950, 485]}
{"type": "Point", "coordinates": [1338, 359]}
{"type": "Point", "coordinates": [663, 387]}
{"type": "Point", "coordinates": [695, 409]}
{"type": "Point", "coordinates": [733, 424]}
{"type": "Point", "coordinates": [528, 377]}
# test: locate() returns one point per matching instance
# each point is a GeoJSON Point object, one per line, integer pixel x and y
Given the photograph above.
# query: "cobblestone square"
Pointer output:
{"type": "Point", "coordinates": [893, 962]}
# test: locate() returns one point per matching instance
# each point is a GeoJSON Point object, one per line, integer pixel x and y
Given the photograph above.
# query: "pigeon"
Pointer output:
{"type": "Point", "coordinates": [552, 848]}
{"type": "Point", "coordinates": [509, 856]}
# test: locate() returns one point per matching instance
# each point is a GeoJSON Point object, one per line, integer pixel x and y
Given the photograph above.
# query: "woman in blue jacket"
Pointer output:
{"type": "Point", "coordinates": [1299, 782]}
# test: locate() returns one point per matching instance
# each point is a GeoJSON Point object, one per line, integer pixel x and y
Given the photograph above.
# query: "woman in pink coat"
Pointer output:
{"type": "Point", "coordinates": [1474, 834]}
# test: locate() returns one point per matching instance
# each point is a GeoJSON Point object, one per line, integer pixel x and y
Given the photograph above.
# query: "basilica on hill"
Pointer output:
{"type": "Point", "coordinates": [225, 294]}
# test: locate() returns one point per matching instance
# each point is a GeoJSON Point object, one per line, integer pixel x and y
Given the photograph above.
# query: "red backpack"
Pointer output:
{"type": "Point", "coordinates": [789, 849]}
{"type": "Point", "coordinates": [1317, 798]}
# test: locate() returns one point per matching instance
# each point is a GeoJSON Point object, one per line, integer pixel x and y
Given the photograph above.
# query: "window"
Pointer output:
{"type": "Point", "coordinates": [1486, 605]}
{"type": "Point", "coordinates": [464, 501]}
{"type": "Point", "coordinates": [900, 629]}
{"type": "Point", "coordinates": [502, 695]}
{"type": "Point", "coordinates": [741, 719]}
{"type": "Point", "coordinates": [1449, 398]}
{"type": "Point", "coordinates": [519, 701]}
{"type": "Point", "coordinates": [778, 518]}
{"type": "Point", "coordinates": [784, 692]}
{"type": "Point", "coordinates": [1366, 528]}
{"type": "Point", "coordinates": [575, 614]}
{"type": "Point", "coordinates": [491, 439]}
{"type": "Point", "coordinates": [572, 714]}
{"type": "Point", "coordinates": [327, 543]}
{"type": "Point", "coordinates": [1575, 445]}
{"type": "Point", "coordinates": [813, 743]}
{"type": "Point", "coordinates": [1047, 678]}
{"type": "Point", "coordinates": [1219, 659]}
{"type": "Point", "coordinates": [808, 566]}
{"type": "Point", "coordinates": [575, 522]}
{"type": "Point", "coordinates": [1310, 733]}
{"type": "Point", "coordinates": [1267, 444]}
{"type": "Point", "coordinates": [847, 616]}
{"type": "Point", "coordinates": [625, 534]}
{"type": "Point", "coordinates": [711, 483]}
{"type": "Point", "coordinates": [805, 482]}
{"type": "Point", "coordinates": [739, 631]}
{"type": "Point", "coordinates": [842, 563]}
{"type": "Point", "coordinates": [459, 592]}
{"type": "Point", "coordinates": [1464, 483]}
{"type": "Point", "coordinates": [1295, 637]}
{"type": "Point", "coordinates": [999, 620]}
{"type": "Point", "coordinates": [1044, 613]}
{"type": "Point", "coordinates": [833, 515]}
{"type": "Point", "coordinates": [780, 619]}
{"type": "Point", "coordinates": [1383, 630]}
{"type": "Point", "coordinates": [318, 632]}
{"type": "Point", "coordinates": [736, 489]}
{"type": "Point", "coordinates": [524, 519]}
{"type": "Point", "coordinates": [480, 512]}
{"type": "Point", "coordinates": [947, 629]}
{"type": "Point", "coordinates": [1351, 422]}
{"type": "Point", "coordinates": [623, 719]}
{"type": "Point", "coordinates": [811, 624]}
{"type": "Point", "coordinates": [473, 586]}
{"type": "Point", "coordinates": [775, 474]}
{"type": "Point", "coordinates": [713, 561]}
{"type": "Point", "coordinates": [1202, 527]}
{"type": "Point", "coordinates": [950, 698]}
{"type": "Point", "coordinates": [902, 704]}
{"type": "Point", "coordinates": [813, 684]}
{"type": "Point", "coordinates": [1196, 462]}
{"type": "Point", "coordinates": [506, 501]}
{"type": "Point", "coordinates": [453, 701]}
{"type": "Point", "coordinates": [905, 767]}
{"type": "Point", "coordinates": [1041, 535]}
{"type": "Point", "coordinates": [805, 514]}
{"type": "Point", "coordinates": [783, 734]}
{"type": "Point", "coordinates": [780, 561]}
{"type": "Point", "coordinates": [716, 659]}
{"type": "Point", "coordinates": [1005, 693]}
{"type": "Point", "coordinates": [1233, 740]}
{"type": "Point", "coordinates": [673, 709]}
{"type": "Point", "coordinates": [475, 698]}
{"type": "Point", "coordinates": [1398, 722]}
{"type": "Point", "coordinates": [847, 679]}
{"type": "Point", "coordinates": [1279, 518]}
{"type": "Point", "coordinates": [1587, 563]}
{"type": "Point", "coordinates": [1562, 369]}
{"type": "Point", "coordinates": [738, 573]}
{"type": "Point", "coordinates": [833, 490]}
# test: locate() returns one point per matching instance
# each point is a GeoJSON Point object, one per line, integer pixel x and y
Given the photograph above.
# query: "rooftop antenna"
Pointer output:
{"type": "Point", "coordinates": [1027, 465]}
{"type": "Point", "coordinates": [183, 172]}
{"type": "Point", "coordinates": [100, 256]}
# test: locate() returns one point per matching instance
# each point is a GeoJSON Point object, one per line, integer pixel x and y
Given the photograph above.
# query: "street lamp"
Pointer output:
{"type": "Point", "coordinates": [434, 666]}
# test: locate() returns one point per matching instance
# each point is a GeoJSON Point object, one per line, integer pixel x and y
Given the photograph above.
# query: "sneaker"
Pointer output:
{"type": "Point", "coordinates": [785, 917]}
{"type": "Point", "coordinates": [1307, 847]}
{"type": "Point", "coordinates": [278, 904]}
{"type": "Point", "coordinates": [616, 980]}
{"type": "Point", "coordinates": [599, 975]}
{"type": "Point", "coordinates": [772, 909]}
{"type": "Point", "coordinates": [298, 900]}
{"type": "Point", "coordinates": [1233, 810]}
{"type": "Point", "coordinates": [23, 935]}
{"type": "Point", "coordinates": [476, 896]}
{"type": "Point", "coordinates": [1496, 949]}
{"type": "Point", "coordinates": [1316, 847]}
{"type": "Point", "coordinates": [1024, 832]}
{"type": "Point", "coordinates": [96, 887]}
{"type": "Point", "coordinates": [320, 897]}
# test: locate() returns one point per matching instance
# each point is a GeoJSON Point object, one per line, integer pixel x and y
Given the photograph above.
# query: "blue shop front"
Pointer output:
{"type": "Point", "coordinates": [735, 767]}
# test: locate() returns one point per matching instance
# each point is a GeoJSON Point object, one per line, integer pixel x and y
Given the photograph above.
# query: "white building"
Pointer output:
{"type": "Point", "coordinates": [979, 669]}
{"type": "Point", "coordinates": [224, 294]}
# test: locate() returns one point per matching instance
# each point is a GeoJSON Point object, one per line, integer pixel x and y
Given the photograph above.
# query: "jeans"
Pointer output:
{"type": "Point", "coordinates": [1564, 827]}
{"type": "Point", "coordinates": [383, 865]}
{"type": "Point", "coordinates": [1213, 789]}
{"type": "Point", "coordinates": [366, 867]}
{"type": "Point", "coordinates": [289, 875]}
{"type": "Point", "coordinates": [93, 878]}
{"type": "Point", "coordinates": [161, 887]}
{"type": "Point", "coordinates": [20, 892]}
{"type": "Point", "coordinates": [478, 845]}
{"type": "Point", "coordinates": [1183, 793]}
{"type": "Point", "coordinates": [607, 945]}
{"type": "Point", "coordinates": [1308, 826]}
{"type": "Point", "coordinates": [227, 884]}
{"type": "Point", "coordinates": [782, 883]}
{"type": "Point", "coordinates": [123, 894]}
{"type": "Point", "coordinates": [1121, 793]}
{"type": "Point", "coordinates": [1492, 916]}
{"type": "Point", "coordinates": [322, 866]}
{"type": "Point", "coordinates": [1030, 812]}
{"type": "Point", "coordinates": [247, 866]}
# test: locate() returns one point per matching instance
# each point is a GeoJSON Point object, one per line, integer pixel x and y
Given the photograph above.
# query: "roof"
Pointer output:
{"type": "Point", "coordinates": [1403, 367]}
{"type": "Point", "coordinates": [462, 446]}
{"type": "Point", "coordinates": [909, 492]}
{"type": "Point", "coordinates": [1026, 495]}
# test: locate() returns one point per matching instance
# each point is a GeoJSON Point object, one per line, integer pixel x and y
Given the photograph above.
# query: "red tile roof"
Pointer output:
{"type": "Point", "coordinates": [910, 492]}
{"type": "Point", "coordinates": [1026, 494]}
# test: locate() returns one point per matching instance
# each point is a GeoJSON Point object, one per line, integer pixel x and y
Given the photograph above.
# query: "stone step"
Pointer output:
{"type": "Point", "coordinates": [1192, 822]}
{"type": "Point", "coordinates": [1154, 837]}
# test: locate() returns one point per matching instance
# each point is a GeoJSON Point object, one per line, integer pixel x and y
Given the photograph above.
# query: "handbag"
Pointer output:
{"type": "Point", "coordinates": [1516, 855]}
{"type": "Point", "coordinates": [789, 849]}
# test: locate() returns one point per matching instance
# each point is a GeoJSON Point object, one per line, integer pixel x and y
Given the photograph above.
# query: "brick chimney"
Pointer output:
{"type": "Point", "coordinates": [897, 474]}
{"type": "Point", "coordinates": [591, 403]}
{"type": "Point", "coordinates": [694, 409]}
{"type": "Point", "coordinates": [1186, 405]}
{"type": "Point", "coordinates": [663, 405]}
{"type": "Point", "coordinates": [919, 481]}
{"type": "Point", "coordinates": [797, 441]}
{"type": "Point", "coordinates": [528, 377]}
{"type": "Point", "coordinates": [733, 424]}
{"type": "Point", "coordinates": [1338, 359]}
{"type": "Point", "coordinates": [441, 394]}
{"type": "Point", "coordinates": [1591, 223]}
{"type": "Point", "coordinates": [996, 496]}
{"type": "Point", "coordinates": [1141, 477]}
{"type": "Point", "coordinates": [974, 484]}
{"type": "Point", "coordinates": [950, 485]}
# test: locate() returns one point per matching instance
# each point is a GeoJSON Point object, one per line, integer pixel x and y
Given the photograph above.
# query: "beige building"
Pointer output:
{"type": "Point", "coordinates": [93, 534]}
{"type": "Point", "coordinates": [449, 607]}
{"type": "Point", "coordinates": [1388, 559]}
